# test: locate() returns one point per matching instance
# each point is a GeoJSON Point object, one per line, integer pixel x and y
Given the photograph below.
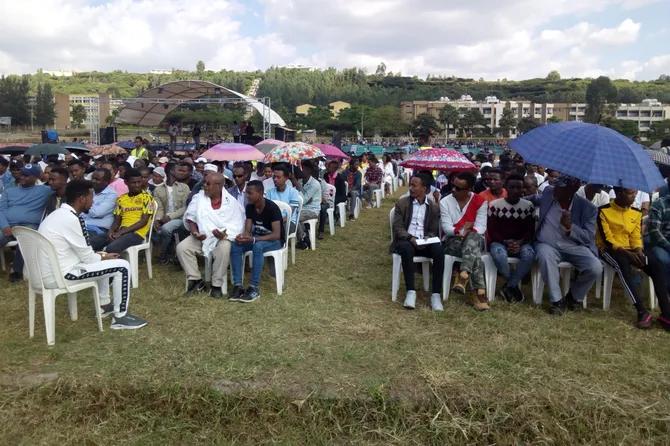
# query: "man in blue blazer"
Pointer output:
{"type": "Point", "coordinates": [566, 232]}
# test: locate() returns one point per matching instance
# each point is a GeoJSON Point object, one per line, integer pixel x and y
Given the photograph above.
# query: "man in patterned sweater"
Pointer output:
{"type": "Point", "coordinates": [510, 231]}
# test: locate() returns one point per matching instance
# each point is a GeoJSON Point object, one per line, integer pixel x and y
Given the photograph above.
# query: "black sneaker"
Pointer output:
{"type": "Point", "coordinates": [194, 286]}
{"type": "Point", "coordinates": [558, 308]}
{"type": "Point", "coordinates": [251, 294]}
{"type": "Point", "coordinates": [216, 292]}
{"type": "Point", "coordinates": [508, 294]}
{"type": "Point", "coordinates": [106, 310]}
{"type": "Point", "coordinates": [301, 245]}
{"type": "Point", "coordinates": [15, 277]}
{"type": "Point", "coordinates": [572, 303]}
{"type": "Point", "coordinates": [237, 293]}
{"type": "Point", "coordinates": [127, 322]}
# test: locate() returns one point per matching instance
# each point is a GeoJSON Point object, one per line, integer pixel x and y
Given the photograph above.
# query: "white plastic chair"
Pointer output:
{"type": "Point", "coordinates": [537, 283]}
{"type": "Point", "coordinates": [313, 223]}
{"type": "Point", "coordinates": [512, 261]}
{"type": "Point", "coordinates": [397, 266]}
{"type": "Point", "coordinates": [490, 275]}
{"type": "Point", "coordinates": [34, 246]}
{"type": "Point", "coordinates": [293, 236]}
{"type": "Point", "coordinates": [357, 209]}
{"type": "Point", "coordinates": [329, 196]}
{"type": "Point", "coordinates": [378, 196]}
{"type": "Point", "coordinates": [280, 255]}
{"type": "Point", "coordinates": [132, 253]}
{"type": "Point", "coordinates": [10, 244]}
{"type": "Point", "coordinates": [608, 280]}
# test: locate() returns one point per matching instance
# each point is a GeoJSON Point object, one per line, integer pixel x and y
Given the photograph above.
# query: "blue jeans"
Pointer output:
{"type": "Point", "coordinates": [237, 252]}
{"type": "Point", "coordinates": [526, 257]}
{"type": "Point", "coordinates": [663, 255]}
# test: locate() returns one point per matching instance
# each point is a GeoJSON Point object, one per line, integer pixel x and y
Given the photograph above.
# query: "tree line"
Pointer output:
{"type": "Point", "coordinates": [374, 97]}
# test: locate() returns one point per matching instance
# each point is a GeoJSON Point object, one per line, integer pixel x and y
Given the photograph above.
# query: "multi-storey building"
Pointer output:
{"type": "Point", "coordinates": [645, 113]}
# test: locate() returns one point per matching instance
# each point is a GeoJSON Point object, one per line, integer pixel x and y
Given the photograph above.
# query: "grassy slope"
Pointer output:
{"type": "Point", "coordinates": [332, 360]}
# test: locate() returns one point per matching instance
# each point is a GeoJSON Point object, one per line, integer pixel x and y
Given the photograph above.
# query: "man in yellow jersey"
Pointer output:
{"type": "Point", "coordinates": [619, 240]}
{"type": "Point", "coordinates": [132, 215]}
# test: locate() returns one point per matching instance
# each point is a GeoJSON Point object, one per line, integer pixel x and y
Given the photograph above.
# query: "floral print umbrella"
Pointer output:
{"type": "Point", "coordinates": [438, 159]}
{"type": "Point", "coordinates": [293, 153]}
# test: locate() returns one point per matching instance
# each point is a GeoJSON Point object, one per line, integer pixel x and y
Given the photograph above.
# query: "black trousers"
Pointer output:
{"type": "Point", "coordinates": [433, 251]}
{"type": "Point", "coordinates": [654, 269]}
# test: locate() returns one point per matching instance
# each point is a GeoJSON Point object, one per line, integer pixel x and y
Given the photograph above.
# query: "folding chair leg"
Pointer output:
{"type": "Point", "coordinates": [72, 305]}
{"type": "Point", "coordinates": [425, 272]}
{"type": "Point", "coordinates": [446, 277]}
{"type": "Point", "coordinates": [49, 304]}
{"type": "Point", "coordinates": [150, 271]}
{"type": "Point", "coordinates": [96, 302]}
{"type": "Point", "coordinates": [395, 276]}
{"type": "Point", "coordinates": [31, 312]}
{"type": "Point", "coordinates": [279, 274]}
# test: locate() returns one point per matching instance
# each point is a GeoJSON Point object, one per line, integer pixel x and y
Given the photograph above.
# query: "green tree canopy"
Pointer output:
{"type": "Point", "coordinates": [425, 126]}
{"type": "Point", "coordinates": [507, 121]}
{"type": "Point", "coordinates": [623, 126]}
{"type": "Point", "coordinates": [78, 115]}
{"type": "Point", "coordinates": [45, 112]}
{"type": "Point", "coordinates": [527, 124]}
{"type": "Point", "coordinates": [599, 92]}
{"type": "Point", "coordinates": [14, 99]}
{"type": "Point", "coordinates": [449, 116]}
{"type": "Point", "coordinates": [554, 76]}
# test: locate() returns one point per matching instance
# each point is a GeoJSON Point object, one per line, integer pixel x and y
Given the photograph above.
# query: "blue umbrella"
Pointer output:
{"type": "Point", "coordinates": [126, 144]}
{"type": "Point", "coordinates": [590, 152]}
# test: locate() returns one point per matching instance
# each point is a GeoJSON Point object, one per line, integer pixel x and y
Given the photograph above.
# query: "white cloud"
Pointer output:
{"type": "Point", "coordinates": [626, 32]}
{"type": "Point", "coordinates": [475, 38]}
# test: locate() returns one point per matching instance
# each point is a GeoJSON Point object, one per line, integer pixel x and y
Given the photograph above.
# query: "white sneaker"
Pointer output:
{"type": "Point", "coordinates": [410, 300]}
{"type": "Point", "coordinates": [436, 302]}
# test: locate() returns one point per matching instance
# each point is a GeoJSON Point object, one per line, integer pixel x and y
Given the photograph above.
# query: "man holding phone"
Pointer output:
{"type": "Point", "coordinates": [66, 229]}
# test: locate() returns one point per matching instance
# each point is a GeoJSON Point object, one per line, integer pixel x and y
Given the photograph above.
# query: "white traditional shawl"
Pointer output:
{"type": "Point", "coordinates": [229, 217]}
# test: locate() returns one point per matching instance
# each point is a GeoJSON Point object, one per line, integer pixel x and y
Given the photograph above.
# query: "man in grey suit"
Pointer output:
{"type": "Point", "coordinates": [566, 232]}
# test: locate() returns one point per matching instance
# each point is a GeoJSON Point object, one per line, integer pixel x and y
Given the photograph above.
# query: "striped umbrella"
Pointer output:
{"type": "Point", "coordinates": [232, 151]}
{"type": "Point", "coordinates": [293, 153]}
{"type": "Point", "coordinates": [659, 157]}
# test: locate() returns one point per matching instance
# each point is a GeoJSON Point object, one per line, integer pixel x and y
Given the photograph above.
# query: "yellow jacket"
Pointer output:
{"type": "Point", "coordinates": [618, 227]}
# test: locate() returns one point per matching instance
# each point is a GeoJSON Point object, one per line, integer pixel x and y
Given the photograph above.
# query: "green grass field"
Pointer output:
{"type": "Point", "coordinates": [333, 360]}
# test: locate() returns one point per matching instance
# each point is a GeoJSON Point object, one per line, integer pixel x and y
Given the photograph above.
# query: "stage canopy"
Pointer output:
{"type": "Point", "coordinates": [149, 109]}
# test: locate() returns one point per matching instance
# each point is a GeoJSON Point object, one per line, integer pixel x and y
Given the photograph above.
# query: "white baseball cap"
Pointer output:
{"type": "Point", "coordinates": [211, 168]}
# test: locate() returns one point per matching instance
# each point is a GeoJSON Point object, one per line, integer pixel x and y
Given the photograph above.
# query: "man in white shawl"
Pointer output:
{"type": "Point", "coordinates": [213, 218]}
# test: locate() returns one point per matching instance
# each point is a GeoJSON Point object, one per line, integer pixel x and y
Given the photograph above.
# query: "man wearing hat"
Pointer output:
{"type": "Point", "coordinates": [171, 197]}
{"type": "Point", "coordinates": [566, 232]}
{"type": "Point", "coordinates": [22, 206]}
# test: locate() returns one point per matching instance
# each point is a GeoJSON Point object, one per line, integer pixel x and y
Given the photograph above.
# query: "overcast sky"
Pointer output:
{"type": "Point", "coordinates": [493, 39]}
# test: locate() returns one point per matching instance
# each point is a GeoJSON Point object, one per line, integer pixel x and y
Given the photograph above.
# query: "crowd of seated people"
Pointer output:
{"type": "Point", "coordinates": [514, 218]}
{"type": "Point", "coordinates": [221, 211]}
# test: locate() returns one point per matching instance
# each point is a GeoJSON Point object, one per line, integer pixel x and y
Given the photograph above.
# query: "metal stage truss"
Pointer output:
{"type": "Point", "coordinates": [264, 102]}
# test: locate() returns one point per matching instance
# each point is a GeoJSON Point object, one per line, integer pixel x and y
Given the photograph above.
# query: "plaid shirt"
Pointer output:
{"type": "Point", "coordinates": [658, 225]}
{"type": "Point", "coordinates": [374, 175]}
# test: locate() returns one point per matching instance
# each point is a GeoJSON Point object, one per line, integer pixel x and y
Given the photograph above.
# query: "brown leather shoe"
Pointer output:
{"type": "Point", "coordinates": [461, 282]}
{"type": "Point", "coordinates": [480, 302]}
